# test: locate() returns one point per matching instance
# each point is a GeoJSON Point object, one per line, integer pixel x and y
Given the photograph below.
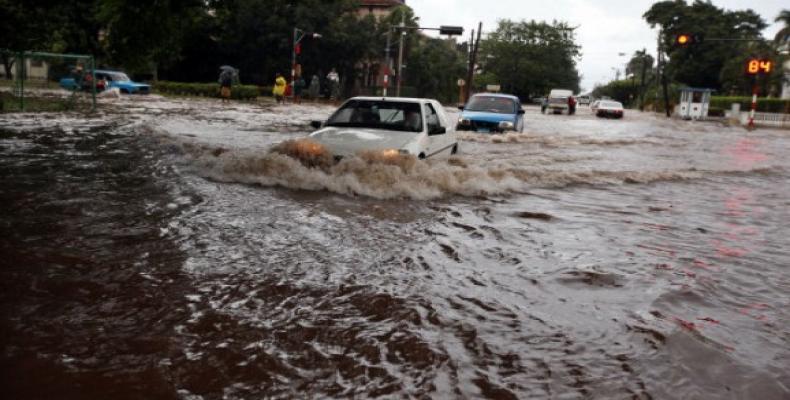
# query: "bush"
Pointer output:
{"type": "Point", "coordinates": [239, 92]}
{"type": "Point", "coordinates": [763, 104]}
{"type": "Point", "coordinates": [715, 112]}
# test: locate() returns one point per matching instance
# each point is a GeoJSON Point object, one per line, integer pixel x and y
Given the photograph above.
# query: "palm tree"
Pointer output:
{"type": "Point", "coordinates": [784, 34]}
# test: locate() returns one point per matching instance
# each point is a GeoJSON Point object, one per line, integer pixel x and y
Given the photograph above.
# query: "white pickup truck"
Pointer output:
{"type": "Point", "coordinates": [558, 100]}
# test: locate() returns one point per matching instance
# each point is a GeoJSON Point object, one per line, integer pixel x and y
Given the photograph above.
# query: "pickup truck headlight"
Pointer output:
{"type": "Point", "coordinates": [464, 121]}
{"type": "Point", "coordinates": [506, 125]}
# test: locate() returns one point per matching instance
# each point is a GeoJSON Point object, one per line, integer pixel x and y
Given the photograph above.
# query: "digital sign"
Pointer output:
{"type": "Point", "coordinates": [759, 67]}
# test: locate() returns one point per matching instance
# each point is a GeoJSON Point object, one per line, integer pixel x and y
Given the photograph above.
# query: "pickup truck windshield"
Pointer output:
{"type": "Point", "coordinates": [498, 105]}
{"type": "Point", "coordinates": [385, 115]}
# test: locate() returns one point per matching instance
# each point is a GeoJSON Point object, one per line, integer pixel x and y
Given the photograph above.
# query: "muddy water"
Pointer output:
{"type": "Point", "coordinates": [158, 250]}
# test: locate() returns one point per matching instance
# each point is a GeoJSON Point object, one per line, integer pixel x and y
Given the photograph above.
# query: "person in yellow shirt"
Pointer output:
{"type": "Point", "coordinates": [279, 88]}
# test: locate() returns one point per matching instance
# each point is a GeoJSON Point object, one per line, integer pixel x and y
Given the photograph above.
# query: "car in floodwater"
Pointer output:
{"type": "Point", "coordinates": [114, 79]}
{"type": "Point", "coordinates": [559, 101]}
{"type": "Point", "coordinates": [609, 109]}
{"type": "Point", "coordinates": [391, 126]}
{"type": "Point", "coordinates": [491, 113]}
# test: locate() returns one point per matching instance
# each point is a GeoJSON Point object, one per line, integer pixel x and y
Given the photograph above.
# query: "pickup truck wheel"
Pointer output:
{"type": "Point", "coordinates": [421, 156]}
{"type": "Point", "coordinates": [124, 91]}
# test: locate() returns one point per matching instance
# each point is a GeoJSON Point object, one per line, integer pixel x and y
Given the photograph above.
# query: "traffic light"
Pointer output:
{"type": "Point", "coordinates": [451, 30]}
{"type": "Point", "coordinates": [688, 39]}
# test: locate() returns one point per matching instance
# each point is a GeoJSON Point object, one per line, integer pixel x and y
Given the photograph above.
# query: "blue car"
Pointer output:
{"type": "Point", "coordinates": [114, 79]}
{"type": "Point", "coordinates": [491, 113]}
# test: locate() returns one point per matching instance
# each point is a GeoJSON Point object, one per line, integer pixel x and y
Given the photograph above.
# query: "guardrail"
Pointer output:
{"type": "Point", "coordinates": [767, 119]}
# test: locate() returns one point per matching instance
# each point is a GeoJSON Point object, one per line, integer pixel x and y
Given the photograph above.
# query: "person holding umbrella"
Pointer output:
{"type": "Point", "coordinates": [226, 82]}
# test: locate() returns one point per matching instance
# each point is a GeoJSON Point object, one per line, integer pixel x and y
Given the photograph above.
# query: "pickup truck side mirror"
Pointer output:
{"type": "Point", "coordinates": [316, 124]}
{"type": "Point", "coordinates": [461, 107]}
{"type": "Point", "coordinates": [437, 130]}
{"type": "Point", "coordinates": [521, 111]}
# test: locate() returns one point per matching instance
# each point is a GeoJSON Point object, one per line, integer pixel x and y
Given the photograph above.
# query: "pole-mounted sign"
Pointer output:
{"type": "Point", "coordinates": [756, 66]}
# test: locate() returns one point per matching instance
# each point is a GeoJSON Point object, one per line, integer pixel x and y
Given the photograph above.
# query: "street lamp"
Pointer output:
{"type": "Point", "coordinates": [298, 49]}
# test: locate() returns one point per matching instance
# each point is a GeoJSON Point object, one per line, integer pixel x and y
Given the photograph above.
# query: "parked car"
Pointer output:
{"type": "Point", "coordinates": [584, 100]}
{"type": "Point", "coordinates": [394, 126]}
{"type": "Point", "coordinates": [491, 113]}
{"type": "Point", "coordinates": [558, 100]}
{"type": "Point", "coordinates": [609, 109]}
{"type": "Point", "coordinates": [114, 79]}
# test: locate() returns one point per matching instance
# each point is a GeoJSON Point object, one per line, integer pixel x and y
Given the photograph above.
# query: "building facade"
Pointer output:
{"type": "Point", "coordinates": [378, 8]}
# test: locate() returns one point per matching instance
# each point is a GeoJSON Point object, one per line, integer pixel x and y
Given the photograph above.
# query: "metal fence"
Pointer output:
{"type": "Point", "coordinates": [40, 81]}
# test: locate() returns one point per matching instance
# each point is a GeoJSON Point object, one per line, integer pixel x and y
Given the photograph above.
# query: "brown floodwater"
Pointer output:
{"type": "Point", "coordinates": [160, 250]}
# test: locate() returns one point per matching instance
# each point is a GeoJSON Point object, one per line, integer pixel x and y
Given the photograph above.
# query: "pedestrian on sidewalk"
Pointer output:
{"type": "Point", "coordinates": [333, 79]}
{"type": "Point", "coordinates": [299, 85]}
{"type": "Point", "coordinates": [315, 88]}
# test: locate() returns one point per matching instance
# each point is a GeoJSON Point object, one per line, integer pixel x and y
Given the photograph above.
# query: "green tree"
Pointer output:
{"type": "Point", "coordinates": [25, 26]}
{"type": "Point", "coordinates": [434, 68]}
{"type": "Point", "coordinates": [783, 36]}
{"type": "Point", "coordinates": [625, 91]}
{"type": "Point", "coordinates": [641, 62]}
{"type": "Point", "coordinates": [531, 58]}
{"type": "Point", "coordinates": [141, 34]}
{"type": "Point", "coordinates": [701, 64]}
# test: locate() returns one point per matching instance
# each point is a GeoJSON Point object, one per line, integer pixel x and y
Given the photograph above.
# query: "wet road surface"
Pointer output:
{"type": "Point", "coordinates": [158, 250]}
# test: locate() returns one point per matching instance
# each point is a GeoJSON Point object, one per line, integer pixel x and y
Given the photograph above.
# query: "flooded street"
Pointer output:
{"type": "Point", "coordinates": [159, 250]}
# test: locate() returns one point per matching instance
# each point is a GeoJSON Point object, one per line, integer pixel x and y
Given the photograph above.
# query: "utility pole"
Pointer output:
{"type": "Point", "coordinates": [293, 57]}
{"type": "Point", "coordinates": [388, 62]}
{"type": "Point", "coordinates": [642, 84]}
{"type": "Point", "coordinates": [474, 46]}
{"type": "Point", "coordinates": [400, 53]}
{"type": "Point", "coordinates": [662, 68]}
{"type": "Point", "coordinates": [402, 28]}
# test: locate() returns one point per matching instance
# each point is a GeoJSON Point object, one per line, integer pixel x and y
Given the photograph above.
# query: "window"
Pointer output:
{"type": "Point", "coordinates": [387, 115]}
{"type": "Point", "coordinates": [493, 104]}
{"type": "Point", "coordinates": [431, 118]}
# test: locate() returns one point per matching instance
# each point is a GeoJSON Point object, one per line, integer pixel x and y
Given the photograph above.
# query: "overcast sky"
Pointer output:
{"type": "Point", "coordinates": [606, 27]}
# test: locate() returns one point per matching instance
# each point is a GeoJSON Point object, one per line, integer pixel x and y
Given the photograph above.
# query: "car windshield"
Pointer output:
{"type": "Point", "coordinates": [611, 104]}
{"type": "Point", "coordinates": [387, 115]}
{"type": "Point", "coordinates": [499, 105]}
{"type": "Point", "coordinates": [119, 77]}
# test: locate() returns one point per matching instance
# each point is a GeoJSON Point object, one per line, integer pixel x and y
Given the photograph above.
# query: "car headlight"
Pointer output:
{"type": "Point", "coordinates": [506, 125]}
{"type": "Point", "coordinates": [394, 152]}
{"type": "Point", "coordinates": [464, 121]}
